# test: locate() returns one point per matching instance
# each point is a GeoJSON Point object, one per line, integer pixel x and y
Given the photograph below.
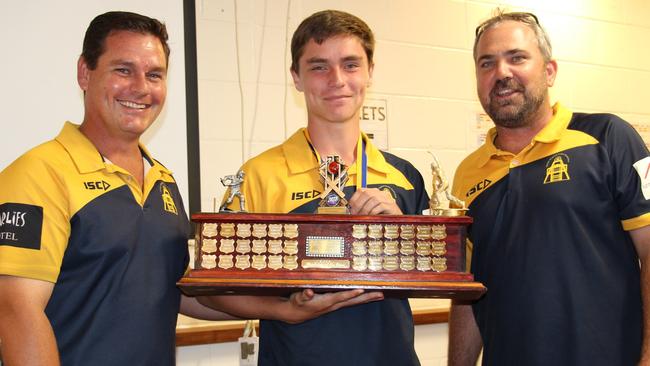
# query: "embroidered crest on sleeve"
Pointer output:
{"type": "Point", "coordinates": [168, 200]}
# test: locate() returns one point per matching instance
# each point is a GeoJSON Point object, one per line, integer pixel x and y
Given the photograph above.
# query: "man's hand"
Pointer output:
{"type": "Point", "coordinates": [372, 201]}
{"type": "Point", "coordinates": [299, 307]}
{"type": "Point", "coordinates": [307, 304]}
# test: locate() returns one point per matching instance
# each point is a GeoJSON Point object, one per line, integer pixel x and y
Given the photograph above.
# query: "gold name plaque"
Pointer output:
{"type": "Point", "coordinates": [323, 246]}
{"type": "Point", "coordinates": [325, 263]}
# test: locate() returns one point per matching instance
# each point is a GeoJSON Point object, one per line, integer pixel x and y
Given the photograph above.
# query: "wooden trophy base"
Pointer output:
{"type": "Point", "coordinates": [277, 254]}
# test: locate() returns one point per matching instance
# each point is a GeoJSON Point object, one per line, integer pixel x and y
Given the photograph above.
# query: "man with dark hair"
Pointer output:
{"type": "Point", "coordinates": [332, 66]}
{"type": "Point", "coordinates": [561, 219]}
{"type": "Point", "coordinates": [93, 233]}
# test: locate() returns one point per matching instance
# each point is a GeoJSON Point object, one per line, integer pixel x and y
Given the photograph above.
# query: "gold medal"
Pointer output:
{"type": "Point", "coordinates": [424, 264]}
{"type": "Point", "coordinates": [290, 262]}
{"type": "Point", "coordinates": [275, 231]}
{"type": "Point", "coordinates": [407, 247]}
{"type": "Point", "coordinates": [275, 246]}
{"type": "Point", "coordinates": [407, 232]}
{"type": "Point", "coordinates": [439, 264]}
{"type": "Point", "coordinates": [259, 262]}
{"type": "Point", "coordinates": [227, 230]}
{"type": "Point", "coordinates": [391, 231]}
{"type": "Point", "coordinates": [243, 230]}
{"type": "Point", "coordinates": [439, 232]}
{"type": "Point", "coordinates": [209, 230]}
{"type": "Point", "coordinates": [291, 231]}
{"type": "Point", "coordinates": [360, 263]}
{"type": "Point", "coordinates": [391, 247]}
{"type": "Point", "coordinates": [225, 261]}
{"type": "Point", "coordinates": [391, 263]}
{"type": "Point", "coordinates": [359, 247]}
{"type": "Point", "coordinates": [290, 247]}
{"type": "Point", "coordinates": [407, 263]}
{"type": "Point", "coordinates": [209, 245]}
{"type": "Point", "coordinates": [423, 248]}
{"type": "Point", "coordinates": [259, 230]}
{"type": "Point", "coordinates": [243, 246]}
{"type": "Point", "coordinates": [439, 248]}
{"type": "Point", "coordinates": [359, 231]}
{"type": "Point", "coordinates": [227, 245]}
{"type": "Point", "coordinates": [242, 261]}
{"type": "Point", "coordinates": [375, 231]}
{"type": "Point", "coordinates": [275, 261]}
{"type": "Point", "coordinates": [259, 246]}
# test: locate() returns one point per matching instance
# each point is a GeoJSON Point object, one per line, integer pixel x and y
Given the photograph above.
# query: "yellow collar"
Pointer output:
{"type": "Point", "coordinates": [550, 133]}
{"type": "Point", "coordinates": [86, 156]}
{"type": "Point", "coordinates": [301, 155]}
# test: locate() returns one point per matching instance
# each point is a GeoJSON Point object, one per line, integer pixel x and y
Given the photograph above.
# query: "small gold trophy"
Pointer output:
{"type": "Point", "coordinates": [441, 186]}
{"type": "Point", "coordinates": [334, 175]}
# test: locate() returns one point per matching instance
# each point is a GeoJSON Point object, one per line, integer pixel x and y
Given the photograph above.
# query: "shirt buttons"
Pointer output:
{"type": "Point", "coordinates": [514, 163]}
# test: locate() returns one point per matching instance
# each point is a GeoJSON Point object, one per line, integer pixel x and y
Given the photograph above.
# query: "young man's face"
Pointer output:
{"type": "Point", "coordinates": [126, 91]}
{"type": "Point", "coordinates": [512, 77]}
{"type": "Point", "coordinates": [333, 76]}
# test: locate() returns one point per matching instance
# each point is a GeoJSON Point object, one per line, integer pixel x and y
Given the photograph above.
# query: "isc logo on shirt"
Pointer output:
{"type": "Point", "coordinates": [478, 187]}
{"type": "Point", "coordinates": [304, 195]}
{"type": "Point", "coordinates": [100, 185]}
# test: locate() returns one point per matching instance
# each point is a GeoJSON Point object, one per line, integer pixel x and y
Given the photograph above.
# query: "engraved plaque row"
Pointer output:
{"type": "Point", "coordinates": [228, 230]}
{"type": "Point", "coordinates": [395, 231]}
{"type": "Point", "coordinates": [290, 262]}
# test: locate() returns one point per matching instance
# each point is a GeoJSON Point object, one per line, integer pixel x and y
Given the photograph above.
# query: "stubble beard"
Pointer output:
{"type": "Point", "coordinates": [507, 114]}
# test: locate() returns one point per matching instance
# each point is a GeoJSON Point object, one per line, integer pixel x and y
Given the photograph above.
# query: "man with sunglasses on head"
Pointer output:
{"type": "Point", "coordinates": [561, 219]}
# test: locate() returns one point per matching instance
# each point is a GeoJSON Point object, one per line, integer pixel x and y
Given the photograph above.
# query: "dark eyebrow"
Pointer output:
{"type": "Point", "coordinates": [316, 60]}
{"type": "Point", "coordinates": [320, 60]}
{"type": "Point", "coordinates": [507, 53]}
{"type": "Point", "coordinates": [352, 58]}
{"type": "Point", "coordinates": [130, 64]}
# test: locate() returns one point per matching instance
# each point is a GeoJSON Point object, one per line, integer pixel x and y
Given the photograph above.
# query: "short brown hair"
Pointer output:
{"type": "Point", "coordinates": [326, 24]}
{"type": "Point", "coordinates": [105, 24]}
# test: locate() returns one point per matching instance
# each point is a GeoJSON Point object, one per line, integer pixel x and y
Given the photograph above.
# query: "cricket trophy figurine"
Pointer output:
{"type": "Point", "coordinates": [440, 187]}
{"type": "Point", "coordinates": [334, 175]}
{"type": "Point", "coordinates": [233, 183]}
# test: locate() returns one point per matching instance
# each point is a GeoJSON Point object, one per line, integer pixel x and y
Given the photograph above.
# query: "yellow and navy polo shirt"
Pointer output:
{"type": "Point", "coordinates": [550, 242]}
{"type": "Point", "coordinates": [113, 251]}
{"type": "Point", "coordinates": [285, 179]}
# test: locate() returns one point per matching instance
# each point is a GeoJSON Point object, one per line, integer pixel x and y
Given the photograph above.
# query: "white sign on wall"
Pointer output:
{"type": "Point", "coordinates": [482, 124]}
{"type": "Point", "coordinates": [374, 122]}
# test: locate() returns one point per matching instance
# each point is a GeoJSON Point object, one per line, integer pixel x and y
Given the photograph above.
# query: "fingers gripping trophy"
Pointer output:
{"type": "Point", "coordinates": [233, 182]}
{"type": "Point", "coordinates": [440, 187]}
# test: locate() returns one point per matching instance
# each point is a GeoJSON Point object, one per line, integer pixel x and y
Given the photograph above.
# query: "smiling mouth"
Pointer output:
{"type": "Point", "coordinates": [504, 92]}
{"type": "Point", "coordinates": [133, 105]}
{"type": "Point", "coordinates": [337, 97]}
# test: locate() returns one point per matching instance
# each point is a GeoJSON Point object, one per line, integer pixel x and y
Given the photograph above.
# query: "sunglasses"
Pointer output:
{"type": "Point", "coordinates": [528, 18]}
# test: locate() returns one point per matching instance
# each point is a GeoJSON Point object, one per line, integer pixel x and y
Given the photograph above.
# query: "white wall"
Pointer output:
{"type": "Point", "coordinates": [424, 71]}
{"type": "Point", "coordinates": [41, 41]}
